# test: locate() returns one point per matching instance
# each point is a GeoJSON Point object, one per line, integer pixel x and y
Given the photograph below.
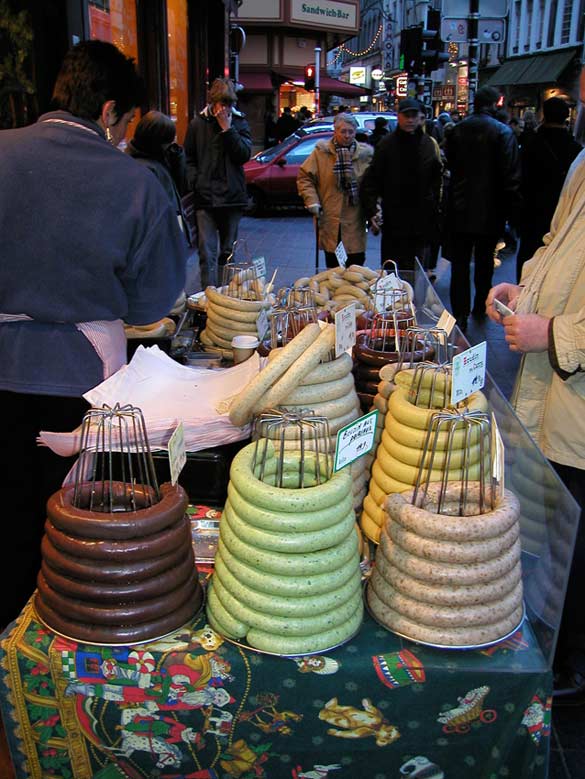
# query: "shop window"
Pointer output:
{"type": "Point", "coordinates": [115, 21]}
{"type": "Point", "coordinates": [178, 68]}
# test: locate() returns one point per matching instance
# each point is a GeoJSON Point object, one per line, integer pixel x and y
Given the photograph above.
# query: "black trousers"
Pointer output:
{"type": "Point", "coordinates": [462, 247]}
{"type": "Point", "coordinates": [357, 258]}
{"type": "Point", "coordinates": [403, 250]}
{"type": "Point", "coordinates": [30, 475]}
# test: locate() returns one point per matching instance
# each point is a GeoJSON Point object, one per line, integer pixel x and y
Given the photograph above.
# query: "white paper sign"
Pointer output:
{"type": "Point", "coordinates": [355, 440]}
{"type": "Point", "coordinates": [468, 372]}
{"type": "Point", "coordinates": [262, 324]}
{"type": "Point", "coordinates": [260, 265]}
{"type": "Point", "coordinates": [345, 329]}
{"type": "Point", "coordinates": [498, 461]}
{"type": "Point", "coordinates": [384, 286]}
{"type": "Point", "coordinates": [177, 454]}
{"type": "Point", "coordinates": [341, 254]}
{"type": "Point", "coordinates": [446, 322]}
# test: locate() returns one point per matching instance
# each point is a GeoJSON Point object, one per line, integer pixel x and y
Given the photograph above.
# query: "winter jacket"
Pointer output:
{"type": "Point", "coordinates": [406, 172]}
{"type": "Point", "coordinates": [317, 183]}
{"type": "Point", "coordinates": [215, 160]}
{"type": "Point", "coordinates": [484, 192]}
{"type": "Point", "coordinates": [549, 396]}
{"type": "Point", "coordinates": [545, 161]}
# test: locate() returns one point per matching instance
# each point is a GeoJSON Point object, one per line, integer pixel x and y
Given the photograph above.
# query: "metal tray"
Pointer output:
{"type": "Point", "coordinates": [445, 646]}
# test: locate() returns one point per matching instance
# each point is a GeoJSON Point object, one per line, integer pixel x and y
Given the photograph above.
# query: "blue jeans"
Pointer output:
{"type": "Point", "coordinates": [217, 230]}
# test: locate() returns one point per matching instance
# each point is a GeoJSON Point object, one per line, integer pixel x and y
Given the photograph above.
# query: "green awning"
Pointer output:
{"type": "Point", "coordinates": [534, 69]}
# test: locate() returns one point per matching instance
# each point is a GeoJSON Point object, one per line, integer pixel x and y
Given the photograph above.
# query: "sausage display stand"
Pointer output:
{"type": "Point", "coordinates": [196, 706]}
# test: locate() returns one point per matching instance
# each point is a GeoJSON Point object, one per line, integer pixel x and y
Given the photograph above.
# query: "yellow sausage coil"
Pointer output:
{"type": "Point", "coordinates": [415, 416]}
{"type": "Point", "coordinates": [412, 456]}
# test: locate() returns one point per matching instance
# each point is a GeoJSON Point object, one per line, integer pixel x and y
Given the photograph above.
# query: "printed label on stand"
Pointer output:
{"type": "Point", "coordinates": [498, 459]}
{"type": "Point", "coordinates": [384, 286]}
{"type": "Point", "coordinates": [446, 322]}
{"type": "Point", "coordinates": [260, 266]}
{"type": "Point", "coordinates": [355, 440]}
{"type": "Point", "coordinates": [262, 324]}
{"type": "Point", "coordinates": [177, 453]}
{"type": "Point", "coordinates": [468, 372]}
{"type": "Point", "coordinates": [345, 329]}
{"type": "Point", "coordinates": [341, 254]}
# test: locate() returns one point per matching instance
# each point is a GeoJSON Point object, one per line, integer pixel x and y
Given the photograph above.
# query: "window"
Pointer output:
{"type": "Point", "coordinates": [301, 151]}
{"type": "Point", "coordinates": [566, 23]}
{"type": "Point", "coordinates": [552, 19]}
{"type": "Point", "coordinates": [178, 74]}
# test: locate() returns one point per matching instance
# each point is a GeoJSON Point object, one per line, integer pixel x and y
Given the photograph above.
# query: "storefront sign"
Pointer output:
{"type": "Point", "coordinates": [377, 74]}
{"type": "Point", "coordinates": [448, 91]}
{"type": "Point", "coordinates": [357, 76]}
{"type": "Point", "coordinates": [438, 93]}
{"type": "Point", "coordinates": [401, 86]}
{"type": "Point", "coordinates": [324, 13]}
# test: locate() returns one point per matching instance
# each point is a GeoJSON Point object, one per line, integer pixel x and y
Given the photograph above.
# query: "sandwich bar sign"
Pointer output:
{"type": "Point", "coordinates": [324, 13]}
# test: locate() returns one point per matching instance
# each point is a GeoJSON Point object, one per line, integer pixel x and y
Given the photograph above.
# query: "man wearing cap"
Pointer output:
{"type": "Point", "coordinates": [484, 193]}
{"type": "Point", "coordinates": [406, 174]}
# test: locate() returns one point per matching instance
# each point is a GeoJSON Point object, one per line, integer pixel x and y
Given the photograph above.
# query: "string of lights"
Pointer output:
{"type": "Point", "coordinates": [341, 50]}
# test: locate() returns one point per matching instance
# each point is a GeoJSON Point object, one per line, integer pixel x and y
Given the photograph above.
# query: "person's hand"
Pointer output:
{"type": "Point", "coordinates": [224, 117]}
{"type": "Point", "coordinates": [315, 210]}
{"type": "Point", "coordinates": [507, 294]}
{"type": "Point", "coordinates": [526, 332]}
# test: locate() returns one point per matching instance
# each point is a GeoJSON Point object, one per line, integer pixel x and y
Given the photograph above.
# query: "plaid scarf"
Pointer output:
{"type": "Point", "coordinates": [343, 170]}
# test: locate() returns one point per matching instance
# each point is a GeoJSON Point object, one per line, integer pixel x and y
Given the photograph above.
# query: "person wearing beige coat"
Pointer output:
{"type": "Point", "coordinates": [548, 327]}
{"type": "Point", "coordinates": [328, 182]}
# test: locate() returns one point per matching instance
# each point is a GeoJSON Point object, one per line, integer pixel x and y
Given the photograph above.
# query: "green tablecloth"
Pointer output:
{"type": "Point", "coordinates": [196, 707]}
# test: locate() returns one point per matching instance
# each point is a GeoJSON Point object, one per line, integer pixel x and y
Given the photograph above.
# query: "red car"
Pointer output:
{"type": "Point", "coordinates": [271, 175]}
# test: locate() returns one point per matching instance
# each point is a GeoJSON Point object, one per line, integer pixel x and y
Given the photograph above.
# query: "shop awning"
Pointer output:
{"type": "Point", "coordinates": [256, 82]}
{"type": "Point", "coordinates": [535, 69]}
{"type": "Point", "coordinates": [332, 86]}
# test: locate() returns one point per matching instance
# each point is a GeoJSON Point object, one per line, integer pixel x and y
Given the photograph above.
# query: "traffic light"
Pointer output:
{"type": "Point", "coordinates": [411, 43]}
{"type": "Point", "coordinates": [310, 78]}
{"type": "Point", "coordinates": [433, 53]}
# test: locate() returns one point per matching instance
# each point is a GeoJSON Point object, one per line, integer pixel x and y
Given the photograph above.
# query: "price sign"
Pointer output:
{"type": "Point", "coordinates": [341, 254]}
{"type": "Point", "coordinates": [260, 266]}
{"type": "Point", "coordinates": [177, 454]}
{"type": "Point", "coordinates": [384, 286]}
{"type": "Point", "coordinates": [355, 440]}
{"type": "Point", "coordinates": [498, 461]}
{"type": "Point", "coordinates": [468, 372]}
{"type": "Point", "coordinates": [344, 329]}
{"type": "Point", "coordinates": [446, 323]}
{"type": "Point", "coordinates": [262, 324]}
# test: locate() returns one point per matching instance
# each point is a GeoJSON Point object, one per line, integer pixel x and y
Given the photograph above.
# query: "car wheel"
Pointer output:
{"type": "Point", "coordinates": [255, 202]}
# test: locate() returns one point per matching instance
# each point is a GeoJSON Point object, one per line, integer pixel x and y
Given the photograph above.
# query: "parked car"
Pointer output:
{"type": "Point", "coordinates": [365, 120]}
{"type": "Point", "coordinates": [271, 175]}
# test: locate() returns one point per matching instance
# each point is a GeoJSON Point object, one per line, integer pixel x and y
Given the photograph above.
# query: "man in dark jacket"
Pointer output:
{"type": "Point", "coordinates": [217, 144]}
{"type": "Point", "coordinates": [484, 192]}
{"type": "Point", "coordinates": [545, 160]}
{"type": "Point", "coordinates": [286, 124]}
{"type": "Point", "coordinates": [406, 174]}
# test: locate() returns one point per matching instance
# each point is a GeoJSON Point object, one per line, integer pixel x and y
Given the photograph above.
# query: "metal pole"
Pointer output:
{"type": "Point", "coordinates": [317, 69]}
{"type": "Point", "coordinates": [473, 52]}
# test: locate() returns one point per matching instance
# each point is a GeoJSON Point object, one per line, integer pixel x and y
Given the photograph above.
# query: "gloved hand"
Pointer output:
{"type": "Point", "coordinates": [315, 209]}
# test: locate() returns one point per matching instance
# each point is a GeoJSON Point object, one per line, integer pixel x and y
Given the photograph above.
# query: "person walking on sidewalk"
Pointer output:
{"type": "Point", "coordinates": [545, 160]}
{"type": "Point", "coordinates": [548, 328]}
{"type": "Point", "coordinates": [406, 174]}
{"type": "Point", "coordinates": [484, 192]}
{"type": "Point", "coordinates": [328, 182]}
{"type": "Point", "coordinates": [217, 144]}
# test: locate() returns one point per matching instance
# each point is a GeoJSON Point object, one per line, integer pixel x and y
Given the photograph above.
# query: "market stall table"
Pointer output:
{"type": "Point", "coordinates": [193, 705]}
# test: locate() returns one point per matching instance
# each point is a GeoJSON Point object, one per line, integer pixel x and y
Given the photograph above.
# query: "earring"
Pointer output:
{"type": "Point", "coordinates": [109, 136]}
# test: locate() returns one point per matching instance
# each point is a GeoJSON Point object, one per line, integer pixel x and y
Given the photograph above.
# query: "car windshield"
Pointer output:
{"type": "Point", "coordinates": [269, 154]}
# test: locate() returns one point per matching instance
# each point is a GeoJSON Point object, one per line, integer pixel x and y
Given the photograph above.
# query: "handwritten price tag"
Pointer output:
{"type": "Point", "coordinates": [384, 288]}
{"type": "Point", "coordinates": [262, 324]}
{"type": "Point", "coordinates": [341, 254]}
{"type": "Point", "coordinates": [260, 265]}
{"type": "Point", "coordinates": [468, 372]}
{"type": "Point", "coordinates": [345, 329]}
{"type": "Point", "coordinates": [355, 440]}
{"type": "Point", "coordinates": [177, 453]}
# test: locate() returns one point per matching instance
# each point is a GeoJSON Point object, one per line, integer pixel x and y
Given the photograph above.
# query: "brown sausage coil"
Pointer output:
{"type": "Point", "coordinates": [377, 357]}
{"type": "Point", "coordinates": [123, 525]}
{"type": "Point", "coordinates": [126, 634]}
{"type": "Point", "coordinates": [160, 584]}
{"type": "Point", "coordinates": [120, 614]}
{"type": "Point", "coordinates": [99, 571]}
{"type": "Point", "coordinates": [130, 550]}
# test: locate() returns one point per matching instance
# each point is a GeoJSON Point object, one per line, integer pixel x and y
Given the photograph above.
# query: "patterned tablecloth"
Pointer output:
{"type": "Point", "coordinates": [193, 706]}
